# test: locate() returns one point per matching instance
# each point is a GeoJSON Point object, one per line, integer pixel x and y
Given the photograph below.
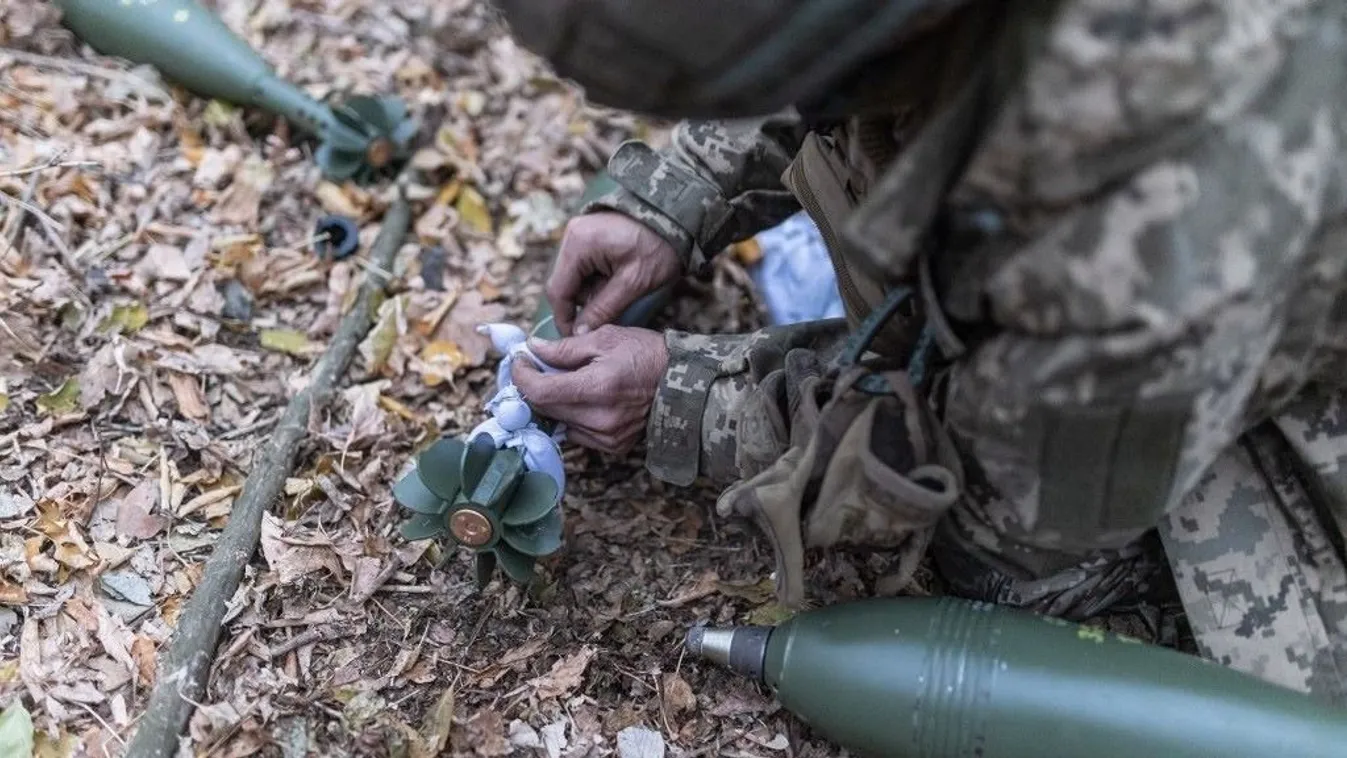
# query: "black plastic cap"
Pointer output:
{"type": "Point", "coordinates": [341, 240]}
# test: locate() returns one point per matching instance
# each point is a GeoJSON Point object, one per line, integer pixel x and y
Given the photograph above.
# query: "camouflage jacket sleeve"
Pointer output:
{"type": "Point", "coordinates": [715, 184]}
{"type": "Point", "coordinates": [693, 426]}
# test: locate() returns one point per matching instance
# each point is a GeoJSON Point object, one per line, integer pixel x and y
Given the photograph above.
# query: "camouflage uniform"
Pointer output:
{"type": "Point", "coordinates": [1127, 222]}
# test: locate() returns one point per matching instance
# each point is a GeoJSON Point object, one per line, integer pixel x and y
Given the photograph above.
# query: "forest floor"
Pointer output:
{"type": "Point", "coordinates": [160, 301]}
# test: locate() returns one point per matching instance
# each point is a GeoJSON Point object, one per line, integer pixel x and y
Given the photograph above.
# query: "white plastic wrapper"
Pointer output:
{"type": "Point", "coordinates": [510, 420]}
{"type": "Point", "coordinates": [795, 276]}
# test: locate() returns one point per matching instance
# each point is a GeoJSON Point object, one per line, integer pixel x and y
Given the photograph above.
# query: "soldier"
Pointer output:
{"type": "Point", "coordinates": [1092, 255]}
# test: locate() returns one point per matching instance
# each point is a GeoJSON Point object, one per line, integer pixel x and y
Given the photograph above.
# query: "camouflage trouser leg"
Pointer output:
{"type": "Point", "coordinates": [1256, 551]}
{"type": "Point", "coordinates": [1131, 588]}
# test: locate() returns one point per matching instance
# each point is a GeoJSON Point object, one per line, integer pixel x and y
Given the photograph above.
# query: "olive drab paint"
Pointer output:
{"type": "Point", "coordinates": [362, 136]}
{"type": "Point", "coordinates": [945, 677]}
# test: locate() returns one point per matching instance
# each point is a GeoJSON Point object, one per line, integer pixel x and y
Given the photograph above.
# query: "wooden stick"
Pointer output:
{"type": "Point", "coordinates": [183, 672]}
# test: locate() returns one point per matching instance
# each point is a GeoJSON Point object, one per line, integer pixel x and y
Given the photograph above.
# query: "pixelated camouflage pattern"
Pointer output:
{"type": "Point", "coordinates": [717, 183]}
{"type": "Point", "coordinates": [1315, 426]}
{"type": "Point", "coordinates": [1170, 179]}
{"type": "Point", "coordinates": [1256, 564]}
{"type": "Point", "coordinates": [693, 429]}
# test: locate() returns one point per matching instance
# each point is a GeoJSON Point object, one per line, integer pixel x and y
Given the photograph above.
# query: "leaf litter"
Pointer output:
{"type": "Point", "coordinates": [157, 317]}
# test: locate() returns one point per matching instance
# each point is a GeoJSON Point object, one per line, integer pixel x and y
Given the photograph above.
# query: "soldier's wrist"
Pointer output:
{"type": "Point", "coordinates": [684, 208]}
{"type": "Point", "coordinates": [674, 430]}
{"type": "Point", "coordinates": [619, 200]}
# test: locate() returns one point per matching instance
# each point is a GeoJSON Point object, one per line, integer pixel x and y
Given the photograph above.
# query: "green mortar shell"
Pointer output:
{"type": "Point", "coordinates": [192, 47]}
{"type": "Point", "coordinates": [947, 677]}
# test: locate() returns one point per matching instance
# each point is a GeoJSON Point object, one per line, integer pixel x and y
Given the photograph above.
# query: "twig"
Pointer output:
{"type": "Point", "coordinates": [103, 723]}
{"type": "Point", "coordinates": [52, 229]}
{"type": "Point", "coordinates": [409, 589]}
{"type": "Point", "coordinates": [37, 212]}
{"type": "Point", "coordinates": [185, 666]}
{"type": "Point", "coordinates": [39, 167]}
{"type": "Point", "coordinates": [78, 67]}
{"type": "Point", "coordinates": [244, 431]}
{"type": "Point", "coordinates": [663, 706]}
{"type": "Point", "coordinates": [307, 637]}
{"type": "Point", "coordinates": [15, 222]}
{"type": "Point", "coordinates": [23, 342]}
{"type": "Point", "coordinates": [102, 465]}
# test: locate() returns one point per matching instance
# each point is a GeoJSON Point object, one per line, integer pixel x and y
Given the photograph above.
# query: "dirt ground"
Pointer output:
{"type": "Point", "coordinates": [160, 301]}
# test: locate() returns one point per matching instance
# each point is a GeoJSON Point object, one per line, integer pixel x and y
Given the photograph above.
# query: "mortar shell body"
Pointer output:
{"type": "Point", "coordinates": [192, 47]}
{"type": "Point", "coordinates": [939, 678]}
{"type": "Point", "coordinates": [186, 42]}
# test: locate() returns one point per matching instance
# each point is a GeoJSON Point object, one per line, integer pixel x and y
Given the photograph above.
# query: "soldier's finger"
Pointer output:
{"type": "Point", "coordinates": [567, 279]}
{"type": "Point", "coordinates": [612, 298]}
{"type": "Point", "coordinates": [549, 393]}
{"type": "Point", "coordinates": [567, 353]}
{"type": "Point", "coordinates": [584, 439]}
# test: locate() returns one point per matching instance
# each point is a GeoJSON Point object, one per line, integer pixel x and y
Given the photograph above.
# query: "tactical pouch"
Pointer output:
{"type": "Point", "coordinates": [763, 421]}
{"type": "Point", "coordinates": [893, 475]}
{"type": "Point", "coordinates": [862, 469]}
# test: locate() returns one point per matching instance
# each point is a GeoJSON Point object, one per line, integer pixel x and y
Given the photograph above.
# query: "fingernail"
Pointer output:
{"type": "Point", "coordinates": [582, 329]}
{"type": "Point", "coordinates": [535, 342]}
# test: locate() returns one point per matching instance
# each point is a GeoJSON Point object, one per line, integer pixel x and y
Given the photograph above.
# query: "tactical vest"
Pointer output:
{"type": "Point", "coordinates": [875, 180]}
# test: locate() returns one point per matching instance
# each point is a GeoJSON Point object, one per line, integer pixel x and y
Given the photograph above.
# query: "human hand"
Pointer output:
{"type": "Point", "coordinates": [629, 259]}
{"type": "Point", "coordinates": [609, 382]}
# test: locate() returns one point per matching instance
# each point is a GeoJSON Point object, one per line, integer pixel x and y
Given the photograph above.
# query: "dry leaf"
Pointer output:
{"type": "Point", "coordinates": [741, 704]}
{"type": "Point", "coordinates": [115, 638]}
{"type": "Point", "coordinates": [165, 262]}
{"type": "Point", "coordinates": [286, 341]}
{"type": "Point", "coordinates": [440, 361]}
{"type": "Point", "coordinates": [508, 243]}
{"type": "Point", "coordinates": [11, 593]}
{"type": "Point", "coordinates": [107, 372]}
{"type": "Point", "coordinates": [204, 359]}
{"type": "Point", "coordinates": [485, 732]}
{"type": "Point", "coordinates": [378, 344]}
{"type": "Point", "coordinates": [127, 318]}
{"type": "Point", "coordinates": [191, 400]}
{"type": "Point", "coordinates": [704, 586]}
{"type": "Point", "coordinates": [640, 742]}
{"type": "Point", "coordinates": [565, 674]}
{"type": "Point", "coordinates": [368, 421]}
{"type": "Point", "coordinates": [30, 653]}
{"type": "Point", "coordinates": [472, 211]}
{"type": "Point", "coordinates": [436, 727]}
{"type": "Point", "coordinates": [460, 326]}
{"type": "Point", "coordinates": [211, 497]}
{"type": "Point", "coordinates": [241, 203]}
{"type": "Point", "coordinates": [778, 741]}
{"type": "Point", "coordinates": [143, 651]}
{"type": "Point", "coordinates": [71, 548]}
{"type": "Point", "coordinates": [62, 400]}
{"type": "Point", "coordinates": [521, 653]}
{"type": "Point", "coordinates": [678, 694]}
{"type": "Point", "coordinates": [134, 517]}
{"type": "Point", "coordinates": [291, 561]}
{"type": "Point", "coordinates": [214, 166]}
{"type": "Point", "coordinates": [747, 252]}
{"type": "Point", "coordinates": [335, 199]}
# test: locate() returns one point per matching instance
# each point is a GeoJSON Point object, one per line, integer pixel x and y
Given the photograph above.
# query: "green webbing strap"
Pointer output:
{"type": "Point", "coordinates": [860, 339]}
